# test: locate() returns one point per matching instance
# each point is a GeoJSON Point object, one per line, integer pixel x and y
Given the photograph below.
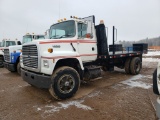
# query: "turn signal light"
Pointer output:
{"type": "Point", "coordinates": [101, 22]}
{"type": "Point", "coordinates": [50, 50]}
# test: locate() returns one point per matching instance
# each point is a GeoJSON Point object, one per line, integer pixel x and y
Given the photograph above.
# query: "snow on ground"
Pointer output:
{"type": "Point", "coordinates": [134, 82]}
{"type": "Point", "coordinates": [50, 109]}
{"type": "Point", "coordinates": [150, 60]}
{"type": "Point", "coordinates": [152, 53]}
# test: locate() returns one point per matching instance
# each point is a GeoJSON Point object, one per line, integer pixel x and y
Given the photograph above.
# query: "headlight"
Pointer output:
{"type": "Point", "coordinates": [45, 63]}
{"type": "Point", "coordinates": [21, 59]}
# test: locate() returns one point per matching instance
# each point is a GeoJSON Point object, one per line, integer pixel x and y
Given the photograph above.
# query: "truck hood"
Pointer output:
{"type": "Point", "coordinates": [49, 40]}
{"type": "Point", "coordinates": [16, 48]}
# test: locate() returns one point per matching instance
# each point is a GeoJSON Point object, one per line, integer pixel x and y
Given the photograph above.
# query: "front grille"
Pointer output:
{"type": "Point", "coordinates": [6, 55]}
{"type": "Point", "coordinates": [30, 56]}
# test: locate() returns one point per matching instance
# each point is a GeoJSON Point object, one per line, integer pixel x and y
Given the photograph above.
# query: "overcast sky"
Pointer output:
{"type": "Point", "coordinates": [134, 19]}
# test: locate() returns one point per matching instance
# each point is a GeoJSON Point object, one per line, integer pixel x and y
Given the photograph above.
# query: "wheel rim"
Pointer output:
{"type": "Point", "coordinates": [66, 84]}
{"type": "Point", "coordinates": [137, 66]}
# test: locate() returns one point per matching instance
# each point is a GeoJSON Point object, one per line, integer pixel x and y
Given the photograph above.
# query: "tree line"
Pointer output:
{"type": "Point", "coordinates": [151, 42]}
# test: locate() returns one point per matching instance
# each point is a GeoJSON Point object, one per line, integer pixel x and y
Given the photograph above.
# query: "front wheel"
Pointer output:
{"type": "Point", "coordinates": [155, 85]}
{"type": "Point", "coordinates": [65, 83]}
{"type": "Point", "coordinates": [1, 61]}
{"type": "Point", "coordinates": [18, 68]}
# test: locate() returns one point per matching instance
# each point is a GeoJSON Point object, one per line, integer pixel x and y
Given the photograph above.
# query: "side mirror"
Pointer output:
{"type": "Point", "coordinates": [19, 43]}
{"type": "Point", "coordinates": [89, 35]}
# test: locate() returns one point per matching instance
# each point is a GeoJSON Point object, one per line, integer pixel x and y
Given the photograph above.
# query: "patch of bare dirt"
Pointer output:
{"type": "Point", "coordinates": [115, 96]}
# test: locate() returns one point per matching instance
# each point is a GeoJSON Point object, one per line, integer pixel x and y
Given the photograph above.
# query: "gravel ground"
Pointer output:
{"type": "Point", "coordinates": [116, 96]}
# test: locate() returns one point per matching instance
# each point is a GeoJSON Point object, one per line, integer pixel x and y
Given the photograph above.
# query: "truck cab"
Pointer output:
{"type": "Point", "coordinates": [76, 51]}
{"type": "Point", "coordinates": [12, 53]}
{"type": "Point", "coordinates": [6, 43]}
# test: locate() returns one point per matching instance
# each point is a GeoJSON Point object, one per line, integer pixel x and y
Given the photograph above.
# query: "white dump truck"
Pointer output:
{"type": "Point", "coordinates": [76, 51]}
{"type": "Point", "coordinates": [6, 43]}
{"type": "Point", "coordinates": [12, 53]}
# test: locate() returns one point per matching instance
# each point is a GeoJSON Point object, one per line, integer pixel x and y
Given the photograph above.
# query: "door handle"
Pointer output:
{"type": "Point", "coordinates": [92, 48]}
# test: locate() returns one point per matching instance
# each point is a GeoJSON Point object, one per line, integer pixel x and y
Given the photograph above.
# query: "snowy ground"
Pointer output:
{"type": "Point", "coordinates": [152, 53]}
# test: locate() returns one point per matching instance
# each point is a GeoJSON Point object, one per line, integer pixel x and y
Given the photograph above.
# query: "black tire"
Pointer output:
{"type": "Point", "coordinates": [65, 83]}
{"type": "Point", "coordinates": [155, 86]}
{"type": "Point", "coordinates": [18, 68]}
{"type": "Point", "coordinates": [127, 66]}
{"type": "Point", "coordinates": [1, 61]}
{"type": "Point", "coordinates": [104, 68]}
{"type": "Point", "coordinates": [135, 65]}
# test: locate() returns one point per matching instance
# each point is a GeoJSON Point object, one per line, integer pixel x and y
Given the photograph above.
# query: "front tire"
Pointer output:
{"type": "Point", "coordinates": [18, 68]}
{"type": "Point", "coordinates": [65, 83]}
{"type": "Point", "coordinates": [155, 86]}
{"type": "Point", "coordinates": [135, 66]}
{"type": "Point", "coordinates": [1, 61]}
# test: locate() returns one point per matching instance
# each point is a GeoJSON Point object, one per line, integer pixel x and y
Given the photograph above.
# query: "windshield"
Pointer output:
{"type": "Point", "coordinates": [63, 30]}
{"type": "Point", "coordinates": [10, 43]}
{"type": "Point", "coordinates": [40, 37]}
{"type": "Point", "coordinates": [3, 43]}
{"type": "Point", "coordinates": [26, 39]}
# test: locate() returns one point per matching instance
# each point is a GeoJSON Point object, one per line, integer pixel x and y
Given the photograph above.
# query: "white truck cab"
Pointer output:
{"type": "Point", "coordinates": [12, 53]}
{"type": "Point", "coordinates": [76, 50]}
{"type": "Point", "coordinates": [6, 43]}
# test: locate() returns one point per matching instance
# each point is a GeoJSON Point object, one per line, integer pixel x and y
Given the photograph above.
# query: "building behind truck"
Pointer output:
{"type": "Point", "coordinates": [76, 51]}
{"type": "Point", "coordinates": [6, 43]}
{"type": "Point", "coordinates": [12, 53]}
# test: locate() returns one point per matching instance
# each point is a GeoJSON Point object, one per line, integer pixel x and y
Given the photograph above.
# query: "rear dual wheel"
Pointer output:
{"type": "Point", "coordinates": [127, 66]}
{"type": "Point", "coordinates": [133, 66]}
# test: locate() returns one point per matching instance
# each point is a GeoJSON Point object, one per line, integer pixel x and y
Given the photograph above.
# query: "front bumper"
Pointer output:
{"type": "Point", "coordinates": [11, 67]}
{"type": "Point", "coordinates": [38, 80]}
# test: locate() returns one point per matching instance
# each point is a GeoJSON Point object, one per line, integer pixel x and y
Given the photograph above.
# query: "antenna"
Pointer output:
{"type": "Point", "coordinates": [59, 9]}
{"type": "Point", "coordinates": [26, 27]}
{"type": "Point", "coordinates": [3, 34]}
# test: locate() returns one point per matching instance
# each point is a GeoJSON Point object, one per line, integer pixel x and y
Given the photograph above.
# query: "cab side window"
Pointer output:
{"type": "Point", "coordinates": [82, 30]}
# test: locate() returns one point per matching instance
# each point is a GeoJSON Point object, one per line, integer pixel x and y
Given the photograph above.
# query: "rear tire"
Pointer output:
{"type": "Point", "coordinates": [135, 65]}
{"type": "Point", "coordinates": [127, 66]}
{"type": "Point", "coordinates": [65, 83]}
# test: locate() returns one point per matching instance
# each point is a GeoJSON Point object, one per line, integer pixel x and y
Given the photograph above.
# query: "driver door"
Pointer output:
{"type": "Point", "coordinates": [87, 44]}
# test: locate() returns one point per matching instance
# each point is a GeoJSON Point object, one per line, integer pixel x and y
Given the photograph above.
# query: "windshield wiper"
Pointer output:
{"type": "Point", "coordinates": [55, 37]}
{"type": "Point", "coordinates": [63, 36]}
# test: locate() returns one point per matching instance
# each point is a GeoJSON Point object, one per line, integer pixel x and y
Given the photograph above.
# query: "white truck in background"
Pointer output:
{"type": "Point", "coordinates": [12, 53]}
{"type": "Point", "coordinates": [6, 43]}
